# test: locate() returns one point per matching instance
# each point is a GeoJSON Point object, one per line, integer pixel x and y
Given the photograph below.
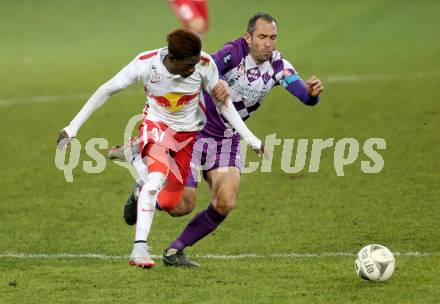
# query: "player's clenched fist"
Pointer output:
{"type": "Point", "coordinates": [63, 139]}
{"type": "Point", "coordinates": [221, 91]}
{"type": "Point", "coordinates": [314, 86]}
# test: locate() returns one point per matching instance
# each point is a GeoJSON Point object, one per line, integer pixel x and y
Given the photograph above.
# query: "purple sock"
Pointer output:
{"type": "Point", "coordinates": [205, 222]}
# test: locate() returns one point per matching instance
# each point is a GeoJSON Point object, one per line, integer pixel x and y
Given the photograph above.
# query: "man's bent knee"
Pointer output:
{"type": "Point", "coordinates": [224, 202]}
{"type": "Point", "coordinates": [224, 187]}
{"type": "Point", "coordinates": [168, 200]}
{"type": "Point", "coordinates": [186, 205]}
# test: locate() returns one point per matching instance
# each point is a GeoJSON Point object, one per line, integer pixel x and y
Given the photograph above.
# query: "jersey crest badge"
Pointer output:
{"type": "Point", "coordinates": [154, 75]}
{"type": "Point", "coordinates": [253, 74]}
{"type": "Point", "coordinates": [266, 77]}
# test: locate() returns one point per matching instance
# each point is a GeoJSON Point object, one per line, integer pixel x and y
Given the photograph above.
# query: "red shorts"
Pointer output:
{"type": "Point", "coordinates": [188, 10]}
{"type": "Point", "coordinates": [169, 152]}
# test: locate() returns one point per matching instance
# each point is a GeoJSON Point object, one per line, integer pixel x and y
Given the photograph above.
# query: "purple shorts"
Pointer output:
{"type": "Point", "coordinates": [211, 153]}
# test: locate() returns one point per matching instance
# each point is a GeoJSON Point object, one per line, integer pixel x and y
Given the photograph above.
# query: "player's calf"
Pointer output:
{"type": "Point", "coordinates": [130, 207]}
{"type": "Point", "coordinates": [187, 204]}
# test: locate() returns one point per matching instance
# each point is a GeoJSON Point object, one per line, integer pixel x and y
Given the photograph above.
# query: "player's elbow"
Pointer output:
{"type": "Point", "coordinates": [107, 89]}
{"type": "Point", "coordinates": [186, 205]}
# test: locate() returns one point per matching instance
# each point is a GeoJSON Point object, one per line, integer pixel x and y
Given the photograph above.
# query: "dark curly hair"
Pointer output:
{"type": "Point", "coordinates": [183, 44]}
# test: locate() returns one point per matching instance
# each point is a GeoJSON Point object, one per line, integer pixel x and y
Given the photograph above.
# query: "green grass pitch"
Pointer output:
{"type": "Point", "coordinates": [379, 63]}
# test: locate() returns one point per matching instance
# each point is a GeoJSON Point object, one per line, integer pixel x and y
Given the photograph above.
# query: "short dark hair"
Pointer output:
{"type": "Point", "coordinates": [183, 44]}
{"type": "Point", "coordinates": [253, 20]}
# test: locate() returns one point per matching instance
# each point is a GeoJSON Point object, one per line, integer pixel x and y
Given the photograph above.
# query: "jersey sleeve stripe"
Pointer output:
{"type": "Point", "coordinates": [289, 79]}
{"type": "Point", "coordinates": [204, 59]}
{"type": "Point", "coordinates": [202, 106]}
{"type": "Point", "coordinates": [146, 56]}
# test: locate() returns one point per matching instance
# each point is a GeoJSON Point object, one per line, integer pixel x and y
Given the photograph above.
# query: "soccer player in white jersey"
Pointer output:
{"type": "Point", "coordinates": [252, 67]}
{"type": "Point", "coordinates": [173, 77]}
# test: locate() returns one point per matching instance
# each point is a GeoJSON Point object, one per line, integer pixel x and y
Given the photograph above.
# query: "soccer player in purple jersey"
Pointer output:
{"type": "Point", "coordinates": [252, 67]}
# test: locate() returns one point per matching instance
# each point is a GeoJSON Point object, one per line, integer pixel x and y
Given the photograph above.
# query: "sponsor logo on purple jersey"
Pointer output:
{"type": "Point", "coordinates": [253, 74]}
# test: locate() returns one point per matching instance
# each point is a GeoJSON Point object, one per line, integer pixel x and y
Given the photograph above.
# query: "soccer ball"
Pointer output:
{"type": "Point", "coordinates": [374, 263]}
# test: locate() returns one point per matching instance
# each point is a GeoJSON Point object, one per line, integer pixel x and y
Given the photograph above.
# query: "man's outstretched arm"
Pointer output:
{"type": "Point", "coordinates": [308, 92]}
{"type": "Point", "coordinates": [127, 76]}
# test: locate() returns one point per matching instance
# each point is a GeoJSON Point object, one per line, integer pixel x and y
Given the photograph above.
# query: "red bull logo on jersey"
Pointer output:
{"type": "Point", "coordinates": [174, 101]}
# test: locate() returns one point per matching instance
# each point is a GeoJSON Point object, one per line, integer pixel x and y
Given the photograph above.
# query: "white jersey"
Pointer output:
{"type": "Point", "coordinates": [171, 99]}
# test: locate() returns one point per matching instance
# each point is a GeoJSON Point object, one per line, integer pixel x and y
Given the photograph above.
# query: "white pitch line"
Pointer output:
{"type": "Point", "coordinates": [291, 255]}
{"type": "Point", "coordinates": [4, 102]}
{"type": "Point", "coordinates": [376, 77]}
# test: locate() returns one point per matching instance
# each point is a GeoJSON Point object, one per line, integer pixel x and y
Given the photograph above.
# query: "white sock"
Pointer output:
{"type": "Point", "coordinates": [140, 247]}
{"type": "Point", "coordinates": [140, 168]}
{"type": "Point", "coordinates": [139, 250]}
{"type": "Point", "coordinates": [146, 204]}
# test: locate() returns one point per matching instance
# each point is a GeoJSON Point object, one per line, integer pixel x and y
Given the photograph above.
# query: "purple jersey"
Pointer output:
{"type": "Point", "coordinates": [217, 144]}
{"type": "Point", "coordinates": [249, 83]}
